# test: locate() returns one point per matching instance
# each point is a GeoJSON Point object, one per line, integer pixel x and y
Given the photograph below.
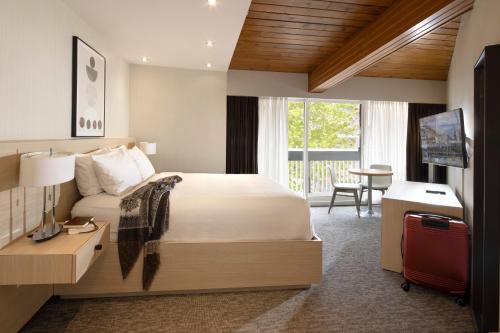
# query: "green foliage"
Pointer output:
{"type": "Point", "coordinates": [331, 125]}
{"type": "Point", "coordinates": [295, 124]}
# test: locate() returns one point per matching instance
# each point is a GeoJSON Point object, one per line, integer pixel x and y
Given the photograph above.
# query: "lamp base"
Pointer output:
{"type": "Point", "coordinates": [42, 235]}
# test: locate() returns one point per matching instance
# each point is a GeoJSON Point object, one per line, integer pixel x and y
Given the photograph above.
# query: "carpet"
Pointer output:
{"type": "Point", "coordinates": [356, 295]}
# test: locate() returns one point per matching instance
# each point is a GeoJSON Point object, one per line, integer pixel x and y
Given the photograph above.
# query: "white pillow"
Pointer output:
{"type": "Point", "coordinates": [116, 171]}
{"type": "Point", "coordinates": [143, 164]}
{"type": "Point", "coordinates": [86, 179]}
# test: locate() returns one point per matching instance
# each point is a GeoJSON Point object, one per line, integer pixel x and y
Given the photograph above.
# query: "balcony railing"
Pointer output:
{"type": "Point", "coordinates": [319, 179]}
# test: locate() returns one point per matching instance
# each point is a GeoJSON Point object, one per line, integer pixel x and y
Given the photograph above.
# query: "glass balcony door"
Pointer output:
{"type": "Point", "coordinates": [296, 137]}
{"type": "Point", "coordinates": [322, 133]}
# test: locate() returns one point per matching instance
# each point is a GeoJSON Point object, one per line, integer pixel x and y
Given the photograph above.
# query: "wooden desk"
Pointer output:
{"type": "Point", "coordinates": [410, 196]}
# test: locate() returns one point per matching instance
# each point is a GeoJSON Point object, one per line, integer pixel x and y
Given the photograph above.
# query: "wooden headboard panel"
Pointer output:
{"type": "Point", "coordinates": [10, 152]}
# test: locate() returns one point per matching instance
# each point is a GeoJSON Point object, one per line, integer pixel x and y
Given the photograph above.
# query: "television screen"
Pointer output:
{"type": "Point", "coordinates": [442, 138]}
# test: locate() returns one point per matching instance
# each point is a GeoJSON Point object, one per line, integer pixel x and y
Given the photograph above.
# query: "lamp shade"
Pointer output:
{"type": "Point", "coordinates": [148, 148]}
{"type": "Point", "coordinates": [44, 169]}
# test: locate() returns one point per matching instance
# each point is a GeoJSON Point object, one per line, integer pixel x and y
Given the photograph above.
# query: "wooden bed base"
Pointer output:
{"type": "Point", "coordinates": [206, 267]}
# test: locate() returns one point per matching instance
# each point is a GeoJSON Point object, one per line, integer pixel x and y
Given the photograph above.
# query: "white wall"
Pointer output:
{"type": "Point", "coordinates": [478, 28]}
{"type": "Point", "coordinates": [35, 95]}
{"type": "Point", "coordinates": [184, 112]}
{"type": "Point", "coordinates": [255, 83]}
{"type": "Point", "coordinates": [35, 71]}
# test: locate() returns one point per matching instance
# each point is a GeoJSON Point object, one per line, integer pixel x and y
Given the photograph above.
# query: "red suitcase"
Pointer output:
{"type": "Point", "coordinates": [436, 253]}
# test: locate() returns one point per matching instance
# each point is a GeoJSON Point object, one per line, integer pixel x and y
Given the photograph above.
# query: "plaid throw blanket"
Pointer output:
{"type": "Point", "coordinates": [144, 219]}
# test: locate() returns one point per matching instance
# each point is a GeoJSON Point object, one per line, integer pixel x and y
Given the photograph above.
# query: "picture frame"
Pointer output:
{"type": "Point", "coordinates": [88, 91]}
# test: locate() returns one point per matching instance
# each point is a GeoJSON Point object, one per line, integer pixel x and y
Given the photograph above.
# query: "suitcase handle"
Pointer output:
{"type": "Point", "coordinates": [435, 216]}
{"type": "Point", "coordinates": [435, 221]}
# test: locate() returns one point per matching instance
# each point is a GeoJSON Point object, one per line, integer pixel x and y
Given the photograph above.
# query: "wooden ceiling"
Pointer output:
{"type": "Point", "coordinates": [298, 35]}
{"type": "Point", "coordinates": [428, 58]}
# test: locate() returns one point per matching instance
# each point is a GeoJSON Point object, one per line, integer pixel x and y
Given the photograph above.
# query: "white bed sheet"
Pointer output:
{"type": "Point", "coordinates": [218, 207]}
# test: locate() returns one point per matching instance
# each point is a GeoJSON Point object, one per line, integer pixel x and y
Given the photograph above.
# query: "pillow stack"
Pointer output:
{"type": "Point", "coordinates": [142, 161]}
{"type": "Point", "coordinates": [86, 179]}
{"type": "Point", "coordinates": [112, 170]}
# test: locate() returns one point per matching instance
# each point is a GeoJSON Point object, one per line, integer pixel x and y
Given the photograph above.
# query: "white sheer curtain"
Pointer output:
{"type": "Point", "coordinates": [384, 135]}
{"type": "Point", "coordinates": [272, 151]}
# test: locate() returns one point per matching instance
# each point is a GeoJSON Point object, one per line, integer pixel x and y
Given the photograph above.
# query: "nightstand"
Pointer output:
{"type": "Point", "coordinates": [63, 259]}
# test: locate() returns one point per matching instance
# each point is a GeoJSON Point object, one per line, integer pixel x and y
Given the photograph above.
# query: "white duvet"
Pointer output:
{"type": "Point", "coordinates": [218, 207]}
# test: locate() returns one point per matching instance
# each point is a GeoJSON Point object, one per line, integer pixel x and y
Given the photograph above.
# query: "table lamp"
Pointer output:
{"type": "Point", "coordinates": [46, 169]}
{"type": "Point", "coordinates": [148, 148]}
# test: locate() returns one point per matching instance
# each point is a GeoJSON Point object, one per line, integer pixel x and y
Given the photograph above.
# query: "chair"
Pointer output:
{"type": "Point", "coordinates": [342, 189]}
{"type": "Point", "coordinates": [379, 183]}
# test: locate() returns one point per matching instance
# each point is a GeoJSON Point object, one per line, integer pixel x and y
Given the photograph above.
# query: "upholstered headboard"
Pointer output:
{"type": "Point", "coordinates": [20, 208]}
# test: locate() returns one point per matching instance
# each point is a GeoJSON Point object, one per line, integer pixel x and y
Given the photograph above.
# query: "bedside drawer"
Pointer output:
{"type": "Point", "coordinates": [61, 260]}
{"type": "Point", "coordinates": [89, 252]}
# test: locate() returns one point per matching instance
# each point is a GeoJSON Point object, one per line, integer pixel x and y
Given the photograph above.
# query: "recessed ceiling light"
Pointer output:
{"type": "Point", "coordinates": [209, 65]}
{"type": "Point", "coordinates": [210, 43]}
{"type": "Point", "coordinates": [144, 59]}
{"type": "Point", "coordinates": [212, 3]}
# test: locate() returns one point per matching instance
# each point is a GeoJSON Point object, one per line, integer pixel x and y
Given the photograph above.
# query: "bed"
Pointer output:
{"type": "Point", "coordinates": [218, 207]}
{"type": "Point", "coordinates": [226, 232]}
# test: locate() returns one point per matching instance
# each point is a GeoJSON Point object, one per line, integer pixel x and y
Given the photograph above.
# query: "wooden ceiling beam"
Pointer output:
{"type": "Point", "coordinates": [403, 22]}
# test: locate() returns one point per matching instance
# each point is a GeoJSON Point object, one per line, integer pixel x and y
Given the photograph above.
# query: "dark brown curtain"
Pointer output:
{"type": "Point", "coordinates": [241, 134]}
{"type": "Point", "coordinates": [416, 170]}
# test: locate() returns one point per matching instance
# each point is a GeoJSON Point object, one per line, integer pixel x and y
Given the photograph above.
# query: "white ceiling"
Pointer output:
{"type": "Point", "coordinates": [169, 33]}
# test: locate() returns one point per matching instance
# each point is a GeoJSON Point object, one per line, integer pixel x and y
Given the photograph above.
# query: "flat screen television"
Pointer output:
{"type": "Point", "coordinates": [442, 139]}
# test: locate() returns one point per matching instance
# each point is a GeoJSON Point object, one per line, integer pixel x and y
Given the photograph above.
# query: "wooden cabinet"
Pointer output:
{"type": "Point", "coordinates": [63, 259]}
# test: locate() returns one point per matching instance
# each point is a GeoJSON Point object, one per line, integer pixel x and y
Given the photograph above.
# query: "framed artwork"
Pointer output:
{"type": "Point", "coordinates": [88, 91]}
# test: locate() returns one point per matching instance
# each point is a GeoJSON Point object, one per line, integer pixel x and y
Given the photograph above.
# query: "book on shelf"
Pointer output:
{"type": "Point", "coordinates": [79, 222]}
